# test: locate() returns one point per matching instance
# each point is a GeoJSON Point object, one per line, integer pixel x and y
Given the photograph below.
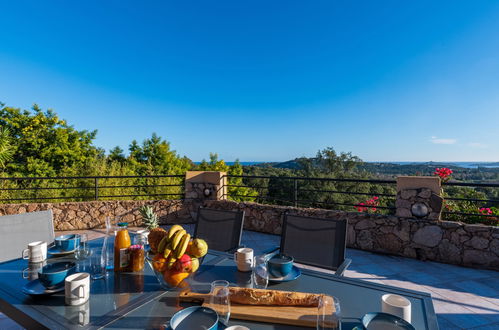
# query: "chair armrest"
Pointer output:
{"type": "Point", "coordinates": [340, 270]}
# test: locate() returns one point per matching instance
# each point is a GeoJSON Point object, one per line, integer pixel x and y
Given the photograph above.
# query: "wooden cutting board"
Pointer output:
{"type": "Point", "coordinates": [291, 315]}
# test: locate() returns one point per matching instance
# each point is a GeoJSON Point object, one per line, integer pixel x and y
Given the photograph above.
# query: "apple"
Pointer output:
{"type": "Point", "coordinates": [183, 264]}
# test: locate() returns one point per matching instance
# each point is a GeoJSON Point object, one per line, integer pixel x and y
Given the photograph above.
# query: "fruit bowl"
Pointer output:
{"type": "Point", "coordinates": [174, 256]}
{"type": "Point", "coordinates": [170, 274]}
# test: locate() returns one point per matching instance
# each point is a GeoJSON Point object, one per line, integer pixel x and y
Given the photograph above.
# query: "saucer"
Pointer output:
{"type": "Point", "coordinates": [385, 321]}
{"type": "Point", "coordinates": [36, 288]}
{"type": "Point", "coordinates": [55, 251]}
{"type": "Point", "coordinates": [293, 275]}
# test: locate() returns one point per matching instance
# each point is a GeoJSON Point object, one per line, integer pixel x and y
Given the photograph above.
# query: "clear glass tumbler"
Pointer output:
{"type": "Point", "coordinates": [220, 300]}
{"type": "Point", "coordinates": [328, 313]}
{"type": "Point", "coordinates": [97, 264]}
{"type": "Point", "coordinates": [260, 274]}
{"type": "Point", "coordinates": [82, 250]}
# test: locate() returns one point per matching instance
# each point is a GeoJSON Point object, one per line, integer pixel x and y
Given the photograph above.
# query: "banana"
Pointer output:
{"type": "Point", "coordinates": [171, 261]}
{"type": "Point", "coordinates": [173, 230]}
{"type": "Point", "coordinates": [162, 244]}
{"type": "Point", "coordinates": [176, 238]}
{"type": "Point", "coordinates": [167, 252]}
{"type": "Point", "coordinates": [182, 246]}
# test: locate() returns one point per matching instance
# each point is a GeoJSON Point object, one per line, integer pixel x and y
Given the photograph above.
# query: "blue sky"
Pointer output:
{"type": "Point", "coordinates": [264, 80]}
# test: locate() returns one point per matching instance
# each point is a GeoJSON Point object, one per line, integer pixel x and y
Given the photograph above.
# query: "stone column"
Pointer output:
{"type": "Point", "coordinates": [419, 197]}
{"type": "Point", "coordinates": [205, 185]}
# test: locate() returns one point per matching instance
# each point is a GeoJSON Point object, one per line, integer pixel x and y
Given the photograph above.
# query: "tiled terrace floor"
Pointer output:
{"type": "Point", "coordinates": [463, 298]}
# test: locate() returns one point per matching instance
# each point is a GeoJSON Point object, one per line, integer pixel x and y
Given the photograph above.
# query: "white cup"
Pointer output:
{"type": "Point", "coordinates": [396, 305]}
{"type": "Point", "coordinates": [31, 273]}
{"type": "Point", "coordinates": [79, 314]}
{"type": "Point", "coordinates": [77, 289]}
{"type": "Point", "coordinates": [244, 259]}
{"type": "Point", "coordinates": [36, 252]}
{"type": "Point", "coordinates": [237, 327]}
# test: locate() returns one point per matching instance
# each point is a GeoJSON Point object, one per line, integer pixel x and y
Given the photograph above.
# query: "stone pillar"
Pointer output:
{"type": "Point", "coordinates": [419, 197]}
{"type": "Point", "coordinates": [205, 185]}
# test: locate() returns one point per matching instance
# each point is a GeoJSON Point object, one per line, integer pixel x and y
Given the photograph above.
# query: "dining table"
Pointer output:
{"type": "Point", "coordinates": [137, 301]}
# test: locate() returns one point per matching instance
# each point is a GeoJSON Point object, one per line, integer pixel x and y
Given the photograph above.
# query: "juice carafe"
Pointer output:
{"type": "Point", "coordinates": [121, 244]}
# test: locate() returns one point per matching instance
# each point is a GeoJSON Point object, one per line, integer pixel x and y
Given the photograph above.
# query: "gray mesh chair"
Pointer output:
{"type": "Point", "coordinates": [16, 231]}
{"type": "Point", "coordinates": [315, 241]}
{"type": "Point", "coordinates": [221, 229]}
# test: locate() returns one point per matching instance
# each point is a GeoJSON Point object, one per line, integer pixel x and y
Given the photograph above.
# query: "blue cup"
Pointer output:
{"type": "Point", "coordinates": [67, 242]}
{"type": "Point", "coordinates": [54, 274]}
{"type": "Point", "coordinates": [280, 265]}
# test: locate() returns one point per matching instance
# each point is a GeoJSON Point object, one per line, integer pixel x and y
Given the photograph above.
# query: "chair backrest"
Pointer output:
{"type": "Point", "coordinates": [314, 241]}
{"type": "Point", "coordinates": [221, 229]}
{"type": "Point", "coordinates": [16, 231]}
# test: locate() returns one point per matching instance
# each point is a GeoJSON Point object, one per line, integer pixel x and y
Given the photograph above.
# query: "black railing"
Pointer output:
{"type": "Point", "coordinates": [332, 193]}
{"type": "Point", "coordinates": [349, 194]}
{"type": "Point", "coordinates": [85, 188]}
{"type": "Point", "coordinates": [316, 192]}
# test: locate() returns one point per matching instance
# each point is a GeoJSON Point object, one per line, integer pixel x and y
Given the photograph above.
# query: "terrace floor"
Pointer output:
{"type": "Point", "coordinates": [464, 298]}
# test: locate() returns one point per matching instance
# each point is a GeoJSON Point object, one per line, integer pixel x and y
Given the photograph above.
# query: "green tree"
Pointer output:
{"type": "Point", "coordinates": [116, 154]}
{"type": "Point", "coordinates": [6, 147]}
{"type": "Point", "coordinates": [45, 144]}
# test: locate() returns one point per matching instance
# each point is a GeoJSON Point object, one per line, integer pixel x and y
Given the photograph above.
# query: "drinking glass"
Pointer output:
{"type": "Point", "coordinates": [260, 273]}
{"type": "Point", "coordinates": [97, 264]}
{"type": "Point", "coordinates": [328, 313]}
{"type": "Point", "coordinates": [220, 301]}
{"type": "Point", "coordinates": [82, 250]}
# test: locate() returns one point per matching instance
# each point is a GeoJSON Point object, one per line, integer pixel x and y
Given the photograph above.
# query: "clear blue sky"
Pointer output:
{"type": "Point", "coordinates": [264, 80]}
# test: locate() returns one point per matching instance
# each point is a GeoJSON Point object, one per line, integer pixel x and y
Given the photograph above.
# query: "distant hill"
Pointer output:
{"type": "Point", "coordinates": [467, 171]}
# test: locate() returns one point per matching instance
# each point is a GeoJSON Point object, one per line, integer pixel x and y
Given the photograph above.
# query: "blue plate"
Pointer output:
{"type": "Point", "coordinates": [384, 321]}
{"type": "Point", "coordinates": [36, 288]}
{"type": "Point", "coordinates": [56, 251]}
{"type": "Point", "coordinates": [198, 316]}
{"type": "Point", "coordinates": [293, 275]}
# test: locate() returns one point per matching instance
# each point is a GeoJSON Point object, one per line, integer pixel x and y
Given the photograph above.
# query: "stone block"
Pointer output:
{"type": "Point", "coordinates": [449, 252]}
{"type": "Point", "coordinates": [389, 243]}
{"type": "Point", "coordinates": [480, 258]}
{"type": "Point", "coordinates": [436, 203]}
{"type": "Point", "coordinates": [404, 213]}
{"type": "Point", "coordinates": [365, 224]}
{"type": "Point", "coordinates": [425, 193]}
{"type": "Point", "coordinates": [428, 236]}
{"type": "Point", "coordinates": [478, 243]}
{"type": "Point", "coordinates": [403, 203]}
{"type": "Point", "coordinates": [417, 182]}
{"type": "Point", "coordinates": [408, 193]}
{"type": "Point", "coordinates": [365, 240]}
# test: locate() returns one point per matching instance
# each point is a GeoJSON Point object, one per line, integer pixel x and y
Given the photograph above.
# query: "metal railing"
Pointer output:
{"type": "Point", "coordinates": [298, 191]}
{"type": "Point", "coordinates": [348, 194]}
{"type": "Point", "coordinates": [86, 188]}
{"type": "Point", "coordinates": [332, 193]}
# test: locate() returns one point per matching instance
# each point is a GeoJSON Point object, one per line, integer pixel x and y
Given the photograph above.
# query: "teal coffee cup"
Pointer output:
{"type": "Point", "coordinates": [280, 265]}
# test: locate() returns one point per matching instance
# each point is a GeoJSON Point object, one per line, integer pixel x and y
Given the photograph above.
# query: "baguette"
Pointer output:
{"type": "Point", "coordinates": [247, 296]}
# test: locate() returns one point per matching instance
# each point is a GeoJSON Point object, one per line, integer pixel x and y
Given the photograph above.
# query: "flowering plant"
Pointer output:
{"type": "Point", "coordinates": [444, 173]}
{"type": "Point", "coordinates": [370, 204]}
{"type": "Point", "coordinates": [485, 211]}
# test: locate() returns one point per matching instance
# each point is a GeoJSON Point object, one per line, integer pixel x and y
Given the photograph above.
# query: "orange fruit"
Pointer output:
{"type": "Point", "coordinates": [174, 279]}
{"type": "Point", "coordinates": [159, 263]}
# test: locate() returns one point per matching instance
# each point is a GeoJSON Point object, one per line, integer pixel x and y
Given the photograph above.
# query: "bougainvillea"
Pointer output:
{"type": "Point", "coordinates": [368, 205]}
{"type": "Point", "coordinates": [444, 173]}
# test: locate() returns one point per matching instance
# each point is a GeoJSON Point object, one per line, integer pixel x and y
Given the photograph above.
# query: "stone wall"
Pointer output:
{"type": "Point", "coordinates": [442, 241]}
{"type": "Point", "coordinates": [88, 215]}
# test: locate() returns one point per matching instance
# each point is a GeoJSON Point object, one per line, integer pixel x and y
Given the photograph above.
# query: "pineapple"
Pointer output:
{"type": "Point", "coordinates": [150, 219]}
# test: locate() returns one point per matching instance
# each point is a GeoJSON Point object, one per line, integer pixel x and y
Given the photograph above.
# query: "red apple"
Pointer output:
{"type": "Point", "coordinates": [184, 264]}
